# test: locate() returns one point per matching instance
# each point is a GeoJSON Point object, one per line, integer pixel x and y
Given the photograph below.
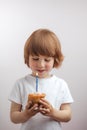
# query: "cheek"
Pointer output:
{"type": "Point", "coordinates": [49, 66]}
{"type": "Point", "coordinates": [31, 64]}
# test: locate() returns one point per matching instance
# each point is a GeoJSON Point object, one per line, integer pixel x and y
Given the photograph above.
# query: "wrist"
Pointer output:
{"type": "Point", "coordinates": [25, 115]}
{"type": "Point", "coordinates": [54, 114]}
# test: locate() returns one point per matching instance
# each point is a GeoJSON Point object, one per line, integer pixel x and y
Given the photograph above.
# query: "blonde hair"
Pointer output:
{"type": "Point", "coordinates": [43, 42]}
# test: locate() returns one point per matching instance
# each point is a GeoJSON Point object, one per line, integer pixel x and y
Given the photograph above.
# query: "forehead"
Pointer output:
{"type": "Point", "coordinates": [40, 56]}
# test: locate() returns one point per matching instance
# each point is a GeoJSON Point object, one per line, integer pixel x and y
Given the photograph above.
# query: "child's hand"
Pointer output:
{"type": "Point", "coordinates": [31, 109]}
{"type": "Point", "coordinates": [45, 108]}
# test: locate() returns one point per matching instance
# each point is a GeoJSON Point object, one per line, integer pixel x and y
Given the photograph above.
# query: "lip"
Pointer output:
{"type": "Point", "coordinates": [40, 71]}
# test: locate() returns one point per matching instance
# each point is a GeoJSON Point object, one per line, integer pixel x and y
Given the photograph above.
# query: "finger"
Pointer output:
{"type": "Point", "coordinates": [35, 107]}
{"type": "Point", "coordinates": [48, 110]}
{"type": "Point", "coordinates": [44, 100]}
{"type": "Point", "coordinates": [29, 105]}
{"type": "Point", "coordinates": [45, 112]}
{"type": "Point", "coordinates": [45, 103]}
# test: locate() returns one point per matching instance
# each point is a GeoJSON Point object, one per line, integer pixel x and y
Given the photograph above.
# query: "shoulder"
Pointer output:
{"type": "Point", "coordinates": [23, 80]}
{"type": "Point", "coordinates": [60, 83]}
{"type": "Point", "coordinates": [59, 80]}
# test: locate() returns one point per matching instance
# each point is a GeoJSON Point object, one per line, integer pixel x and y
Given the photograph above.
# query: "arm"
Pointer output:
{"type": "Point", "coordinates": [62, 115]}
{"type": "Point", "coordinates": [19, 116]}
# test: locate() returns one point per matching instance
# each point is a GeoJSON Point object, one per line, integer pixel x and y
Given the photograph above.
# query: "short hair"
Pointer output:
{"type": "Point", "coordinates": [43, 42]}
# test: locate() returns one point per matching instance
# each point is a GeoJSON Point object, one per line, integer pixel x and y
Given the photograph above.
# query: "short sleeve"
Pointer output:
{"type": "Point", "coordinates": [15, 94]}
{"type": "Point", "coordinates": [66, 95]}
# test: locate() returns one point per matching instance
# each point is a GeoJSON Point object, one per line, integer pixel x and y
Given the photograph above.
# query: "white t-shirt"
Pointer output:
{"type": "Point", "coordinates": [57, 93]}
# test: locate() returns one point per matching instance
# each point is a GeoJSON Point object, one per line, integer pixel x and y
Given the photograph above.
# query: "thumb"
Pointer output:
{"type": "Point", "coordinates": [29, 105]}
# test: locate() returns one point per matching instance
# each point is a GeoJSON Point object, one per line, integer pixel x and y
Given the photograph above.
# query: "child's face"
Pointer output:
{"type": "Point", "coordinates": [41, 64]}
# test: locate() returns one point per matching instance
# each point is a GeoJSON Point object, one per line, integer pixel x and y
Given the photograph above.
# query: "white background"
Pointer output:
{"type": "Point", "coordinates": [68, 19]}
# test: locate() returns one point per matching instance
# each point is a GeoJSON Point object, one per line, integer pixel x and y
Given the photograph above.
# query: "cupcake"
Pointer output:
{"type": "Point", "coordinates": [35, 97]}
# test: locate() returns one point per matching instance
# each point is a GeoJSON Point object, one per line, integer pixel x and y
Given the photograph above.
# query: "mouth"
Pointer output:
{"type": "Point", "coordinates": [40, 71]}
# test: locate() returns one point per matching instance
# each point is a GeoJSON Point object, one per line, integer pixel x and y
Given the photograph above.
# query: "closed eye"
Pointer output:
{"type": "Point", "coordinates": [35, 59]}
{"type": "Point", "coordinates": [47, 60]}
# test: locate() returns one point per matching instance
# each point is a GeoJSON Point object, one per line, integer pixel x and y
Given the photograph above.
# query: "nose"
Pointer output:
{"type": "Point", "coordinates": [41, 63]}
